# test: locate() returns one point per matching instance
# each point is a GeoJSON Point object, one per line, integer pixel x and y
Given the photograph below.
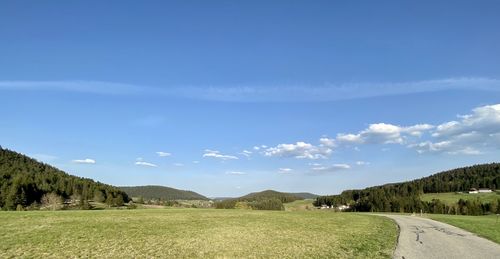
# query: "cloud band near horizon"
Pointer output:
{"type": "Point", "coordinates": [261, 93]}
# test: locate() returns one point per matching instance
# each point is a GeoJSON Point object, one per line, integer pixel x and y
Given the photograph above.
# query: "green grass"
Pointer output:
{"type": "Point", "coordinates": [485, 226]}
{"type": "Point", "coordinates": [187, 233]}
{"type": "Point", "coordinates": [297, 205]}
{"type": "Point", "coordinates": [452, 198]}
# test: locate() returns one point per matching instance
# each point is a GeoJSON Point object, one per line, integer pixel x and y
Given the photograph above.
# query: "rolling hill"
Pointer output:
{"type": "Point", "coordinates": [270, 194]}
{"type": "Point", "coordinates": [161, 192]}
{"type": "Point", "coordinates": [304, 195]}
{"type": "Point", "coordinates": [24, 181]}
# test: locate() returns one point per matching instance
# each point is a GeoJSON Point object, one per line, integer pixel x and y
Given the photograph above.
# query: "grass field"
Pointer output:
{"type": "Point", "coordinates": [485, 226]}
{"type": "Point", "coordinates": [182, 233]}
{"type": "Point", "coordinates": [300, 205]}
{"type": "Point", "coordinates": [452, 198]}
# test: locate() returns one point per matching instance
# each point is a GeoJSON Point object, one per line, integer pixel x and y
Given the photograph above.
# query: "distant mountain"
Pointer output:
{"type": "Point", "coordinates": [304, 195]}
{"type": "Point", "coordinates": [161, 192]}
{"type": "Point", "coordinates": [271, 194]}
{"type": "Point", "coordinates": [24, 181]}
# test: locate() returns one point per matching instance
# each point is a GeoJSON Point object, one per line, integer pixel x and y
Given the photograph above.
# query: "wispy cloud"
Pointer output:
{"type": "Point", "coordinates": [218, 155]}
{"type": "Point", "coordinates": [236, 173]}
{"type": "Point", "coordinates": [263, 93]}
{"type": "Point", "coordinates": [332, 168]}
{"type": "Point", "coordinates": [163, 154]}
{"type": "Point", "coordinates": [362, 163]}
{"type": "Point", "coordinates": [284, 170]}
{"type": "Point", "coordinates": [246, 153]}
{"type": "Point", "coordinates": [81, 86]}
{"type": "Point", "coordinates": [142, 163]}
{"type": "Point", "coordinates": [84, 161]}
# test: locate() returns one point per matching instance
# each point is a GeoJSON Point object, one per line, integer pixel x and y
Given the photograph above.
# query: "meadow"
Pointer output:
{"type": "Point", "coordinates": [300, 205]}
{"type": "Point", "coordinates": [451, 198]}
{"type": "Point", "coordinates": [484, 226]}
{"type": "Point", "coordinates": [183, 233]}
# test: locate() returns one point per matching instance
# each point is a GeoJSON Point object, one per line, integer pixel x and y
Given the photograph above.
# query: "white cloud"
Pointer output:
{"type": "Point", "coordinates": [218, 155]}
{"type": "Point", "coordinates": [362, 163]}
{"type": "Point", "coordinates": [466, 151]}
{"type": "Point", "coordinates": [327, 142]}
{"type": "Point", "coordinates": [384, 133]}
{"type": "Point", "coordinates": [84, 161]}
{"type": "Point", "coordinates": [246, 153]}
{"type": "Point", "coordinates": [257, 148]}
{"type": "Point", "coordinates": [332, 168]}
{"type": "Point", "coordinates": [469, 135]}
{"type": "Point", "coordinates": [178, 164]}
{"type": "Point", "coordinates": [236, 173]}
{"type": "Point", "coordinates": [196, 162]}
{"type": "Point", "coordinates": [142, 163]}
{"type": "Point", "coordinates": [300, 150]}
{"type": "Point", "coordinates": [285, 170]}
{"type": "Point", "coordinates": [484, 119]}
{"type": "Point", "coordinates": [163, 154]}
{"type": "Point", "coordinates": [349, 138]}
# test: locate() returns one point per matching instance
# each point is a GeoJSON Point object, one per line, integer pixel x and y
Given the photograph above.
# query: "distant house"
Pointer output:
{"type": "Point", "coordinates": [480, 190]}
{"type": "Point", "coordinates": [343, 207]}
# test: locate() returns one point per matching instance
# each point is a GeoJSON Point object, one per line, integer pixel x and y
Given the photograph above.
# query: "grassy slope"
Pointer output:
{"type": "Point", "coordinates": [485, 226]}
{"type": "Point", "coordinates": [306, 204]}
{"type": "Point", "coordinates": [452, 198]}
{"type": "Point", "coordinates": [195, 233]}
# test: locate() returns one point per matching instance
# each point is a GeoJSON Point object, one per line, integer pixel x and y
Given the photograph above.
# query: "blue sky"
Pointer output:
{"type": "Point", "coordinates": [226, 98]}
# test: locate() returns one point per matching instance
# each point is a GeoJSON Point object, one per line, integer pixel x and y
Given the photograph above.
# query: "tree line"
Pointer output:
{"type": "Point", "coordinates": [405, 196]}
{"type": "Point", "coordinates": [153, 192]}
{"type": "Point", "coordinates": [265, 200]}
{"type": "Point", "coordinates": [27, 183]}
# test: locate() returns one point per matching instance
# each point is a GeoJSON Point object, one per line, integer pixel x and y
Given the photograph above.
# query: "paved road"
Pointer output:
{"type": "Point", "coordinates": [425, 238]}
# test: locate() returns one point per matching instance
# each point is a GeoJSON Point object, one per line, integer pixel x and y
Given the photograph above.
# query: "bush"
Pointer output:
{"type": "Point", "coordinates": [225, 204]}
{"type": "Point", "coordinates": [51, 201]}
{"type": "Point", "coordinates": [270, 204]}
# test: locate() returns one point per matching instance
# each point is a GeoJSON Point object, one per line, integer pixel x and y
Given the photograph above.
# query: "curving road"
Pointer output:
{"type": "Point", "coordinates": [425, 238]}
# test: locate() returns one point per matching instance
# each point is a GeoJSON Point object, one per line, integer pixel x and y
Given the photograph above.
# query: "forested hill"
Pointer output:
{"type": "Point", "coordinates": [404, 197]}
{"type": "Point", "coordinates": [265, 200]}
{"type": "Point", "coordinates": [161, 193]}
{"type": "Point", "coordinates": [270, 194]}
{"type": "Point", "coordinates": [24, 181]}
{"type": "Point", "coordinates": [304, 195]}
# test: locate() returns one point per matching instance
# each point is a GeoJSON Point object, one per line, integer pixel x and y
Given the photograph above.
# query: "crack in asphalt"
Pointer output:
{"type": "Point", "coordinates": [448, 232]}
{"type": "Point", "coordinates": [418, 232]}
